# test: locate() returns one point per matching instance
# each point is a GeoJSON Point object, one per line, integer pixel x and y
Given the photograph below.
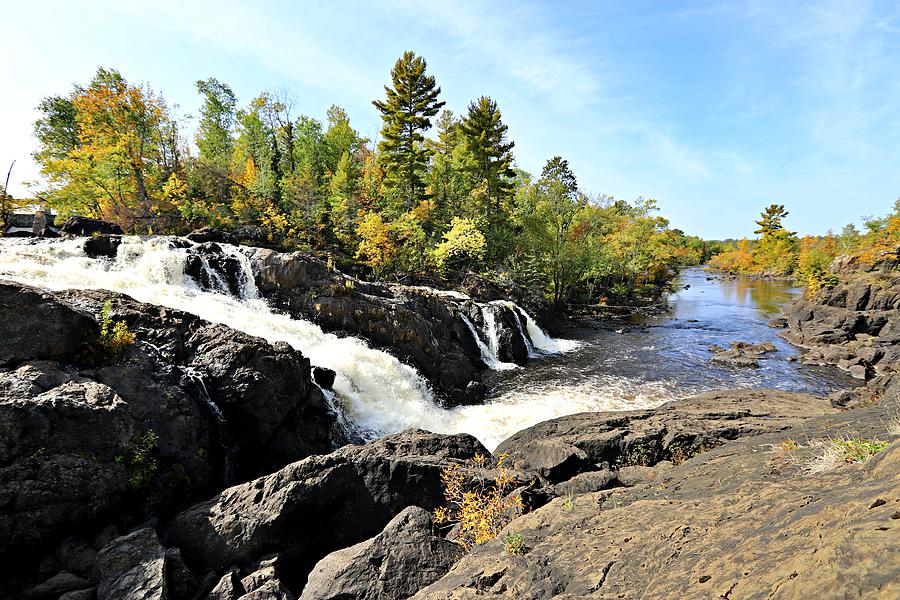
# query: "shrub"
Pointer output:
{"type": "Point", "coordinates": [481, 507]}
{"type": "Point", "coordinates": [115, 337]}
{"type": "Point", "coordinates": [515, 544]}
{"type": "Point", "coordinates": [139, 459]}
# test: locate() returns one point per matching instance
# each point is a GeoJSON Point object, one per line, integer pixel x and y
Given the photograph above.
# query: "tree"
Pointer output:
{"type": "Point", "coordinates": [216, 127]}
{"type": "Point", "coordinates": [406, 113]}
{"type": "Point", "coordinates": [485, 135]}
{"type": "Point", "coordinates": [771, 220]}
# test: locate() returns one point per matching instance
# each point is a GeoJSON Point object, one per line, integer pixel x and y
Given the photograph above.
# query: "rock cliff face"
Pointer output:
{"type": "Point", "coordinates": [855, 324]}
{"type": "Point", "coordinates": [422, 327]}
{"type": "Point", "coordinates": [88, 441]}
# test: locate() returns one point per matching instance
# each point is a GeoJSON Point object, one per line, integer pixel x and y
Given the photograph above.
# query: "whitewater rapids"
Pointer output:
{"type": "Point", "coordinates": [379, 394]}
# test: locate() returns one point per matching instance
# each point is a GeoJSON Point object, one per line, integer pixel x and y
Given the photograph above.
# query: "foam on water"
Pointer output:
{"type": "Point", "coordinates": [379, 393]}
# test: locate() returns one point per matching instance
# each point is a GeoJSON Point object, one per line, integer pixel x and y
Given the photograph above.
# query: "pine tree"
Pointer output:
{"type": "Point", "coordinates": [771, 219]}
{"type": "Point", "coordinates": [485, 135]}
{"type": "Point", "coordinates": [406, 113]}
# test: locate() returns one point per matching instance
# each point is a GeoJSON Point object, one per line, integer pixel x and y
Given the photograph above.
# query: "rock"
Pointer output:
{"type": "Point", "coordinates": [858, 371]}
{"type": "Point", "coordinates": [102, 245]}
{"type": "Point", "coordinates": [779, 322]}
{"type": "Point", "coordinates": [744, 520]}
{"type": "Point", "coordinates": [271, 590]}
{"type": "Point", "coordinates": [211, 234]}
{"type": "Point", "coordinates": [320, 504]}
{"type": "Point", "coordinates": [405, 557]}
{"type": "Point", "coordinates": [191, 407]}
{"type": "Point", "coordinates": [676, 431]}
{"type": "Point", "coordinates": [180, 580]}
{"type": "Point", "coordinates": [56, 586]}
{"type": "Point", "coordinates": [583, 483]}
{"type": "Point", "coordinates": [132, 566]}
{"type": "Point", "coordinates": [87, 226]}
{"type": "Point", "coordinates": [551, 459]}
{"type": "Point", "coordinates": [228, 588]}
{"type": "Point", "coordinates": [86, 594]}
{"type": "Point", "coordinates": [38, 326]}
{"type": "Point", "coordinates": [324, 377]}
{"type": "Point", "coordinates": [214, 269]}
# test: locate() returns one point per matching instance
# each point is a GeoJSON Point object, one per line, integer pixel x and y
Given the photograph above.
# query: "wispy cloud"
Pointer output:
{"type": "Point", "coordinates": [512, 43]}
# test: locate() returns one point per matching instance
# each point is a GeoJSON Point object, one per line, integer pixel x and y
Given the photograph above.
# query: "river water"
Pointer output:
{"type": "Point", "coordinates": [639, 364]}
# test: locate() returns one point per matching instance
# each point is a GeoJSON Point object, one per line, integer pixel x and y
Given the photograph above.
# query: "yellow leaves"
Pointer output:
{"type": "Point", "coordinates": [481, 507]}
{"type": "Point", "coordinates": [462, 240]}
{"type": "Point", "coordinates": [376, 247]}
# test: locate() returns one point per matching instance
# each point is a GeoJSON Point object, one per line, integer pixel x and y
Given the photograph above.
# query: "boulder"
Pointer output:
{"type": "Point", "coordinates": [36, 325]}
{"type": "Point", "coordinates": [102, 245]}
{"type": "Point", "coordinates": [87, 226]}
{"type": "Point", "coordinates": [211, 234]}
{"type": "Point", "coordinates": [132, 566]}
{"type": "Point", "coordinates": [405, 557]}
{"type": "Point", "coordinates": [56, 586]}
{"type": "Point", "coordinates": [318, 505]}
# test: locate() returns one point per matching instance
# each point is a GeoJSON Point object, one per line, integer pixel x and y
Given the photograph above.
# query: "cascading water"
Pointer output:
{"type": "Point", "coordinates": [493, 335]}
{"type": "Point", "coordinates": [379, 394]}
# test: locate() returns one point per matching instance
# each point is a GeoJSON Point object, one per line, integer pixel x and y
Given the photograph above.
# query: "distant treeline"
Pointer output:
{"type": "Point", "coordinates": [409, 204]}
{"type": "Point", "coordinates": [779, 252]}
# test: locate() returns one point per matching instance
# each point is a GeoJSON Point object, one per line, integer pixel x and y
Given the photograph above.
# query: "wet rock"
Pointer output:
{"type": "Point", "coordinates": [321, 504]}
{"type": "Point", "coordinates": [324, 377]}
{"type": "Point", "coordinates": [87, 226]}
{"type": "Point", "coordinates": [405, 557]}
{"type": "Point", "coordinates": [132, 566]}
{"type": "Point", "coordinates": [211, 234]}
{"type": "Point", "coordinates": [102, 245]}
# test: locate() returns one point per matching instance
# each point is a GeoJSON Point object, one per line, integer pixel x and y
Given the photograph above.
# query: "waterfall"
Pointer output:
{"type": "Point", "coordinates": [488, 355]}
{"type": "Point", "coordinates": [537, 342]}
{"type": "Point", "coordinates": [377, 393]}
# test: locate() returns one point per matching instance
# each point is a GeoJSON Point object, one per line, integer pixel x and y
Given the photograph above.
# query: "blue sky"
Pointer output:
{"type": "Point", "coordinates": [715, 108]}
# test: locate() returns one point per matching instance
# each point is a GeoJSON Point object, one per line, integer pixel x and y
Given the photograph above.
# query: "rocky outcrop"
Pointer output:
{"type": "Point", "coordinates": [132, 566]}
{"type": "Point", "coordinates": [748, 519]}
{"type": "Point", "coordinates": [404, 558]}
{"type": "Point", "coordinates": [607, 442]}
{"type": "Point", "coordinates": [321, 504]}
{"type": "Point", "coordinates": [741, 354]}
{"type": "Point", "coordinates": [87, 226]}
{"type": "Point", "coordinates": [88, 440]}
{"type": "Point", "coordinates": [422, 327]}
{"type": "Point", "coordinates": [855, 324]}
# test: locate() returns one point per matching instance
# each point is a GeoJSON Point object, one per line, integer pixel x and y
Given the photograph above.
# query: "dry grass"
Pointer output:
{"type": "Point", "coordinates": [833, 453]}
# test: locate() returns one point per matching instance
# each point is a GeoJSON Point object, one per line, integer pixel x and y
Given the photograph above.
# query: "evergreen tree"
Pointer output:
{"type": "Point", "coordinates": [485, 135]}
{"type": "Point", "coordinates": [771, 220]}
{"type": "Point", "coordinates": [406, 113]}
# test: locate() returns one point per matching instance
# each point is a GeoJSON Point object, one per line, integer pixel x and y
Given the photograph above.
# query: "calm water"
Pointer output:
{"type": "Point", "coordinates": [667, 357]}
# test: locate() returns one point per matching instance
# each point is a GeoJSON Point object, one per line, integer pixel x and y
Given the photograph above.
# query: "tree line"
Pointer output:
{"type": "Point", "coordinates": [410, 204]}
{"type": "Point", "coordinates": [779, 252]}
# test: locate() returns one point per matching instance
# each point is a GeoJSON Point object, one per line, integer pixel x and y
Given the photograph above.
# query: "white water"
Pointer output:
{"type": "Point", "coordinates": [493, 336]}
{"type": "Point", "coordinates": [379, 393]}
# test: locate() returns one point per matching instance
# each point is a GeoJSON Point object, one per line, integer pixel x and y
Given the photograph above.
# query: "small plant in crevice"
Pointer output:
{"type": "Point", "coordinates": [841, 451]}
{"type": "Point", "coordinates": [112, 342]}
{"type": "Point", "coordinates": [789, 445]}
{"type": "Point", "coordinates": [638, 454]}
{"type": "Point", "coordinates": [480, 506]}
{"type": "Point", "coordinates": [515, 544]}
{"type": "Point", "coordinates": [139, 460]}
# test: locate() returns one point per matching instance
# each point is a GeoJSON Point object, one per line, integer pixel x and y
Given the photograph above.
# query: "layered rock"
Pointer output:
{"type": "Point", "coordinates": [608, 442]}
{"type": "Point", "coordinates": [422, 327]}
{"type": "Point", "coordinates": [855, 324]}
{"type": "Point", "coordinates": [745, 520]}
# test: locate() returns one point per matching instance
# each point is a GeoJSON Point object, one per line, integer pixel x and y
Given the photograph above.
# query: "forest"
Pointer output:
{"type": "Point", "coordinates": [437, 194]}
{"type": "Point", "coordinates": [778, 252]}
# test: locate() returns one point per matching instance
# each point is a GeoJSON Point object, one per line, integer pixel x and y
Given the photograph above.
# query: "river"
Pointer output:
{"type": "Point", "coordinates": [639, 364]}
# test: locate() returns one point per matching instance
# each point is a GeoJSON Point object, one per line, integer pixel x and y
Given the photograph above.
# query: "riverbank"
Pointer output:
{"type": "Point", "coordinates": [237, 490]}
